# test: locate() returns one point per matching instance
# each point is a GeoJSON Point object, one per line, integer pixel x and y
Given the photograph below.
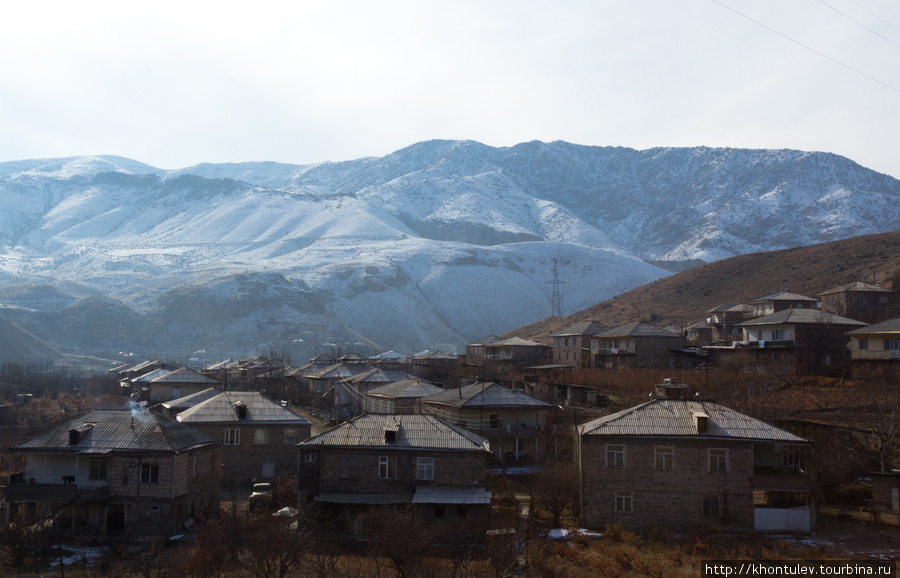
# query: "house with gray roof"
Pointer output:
{"type": "Point", "coordinates": [178, 383]}
{"type": "Point", "coordinates": [875, 348]}
{"type": "Point", "coordinates": [419, 461]}
{"type": "Point", "coordinates": [511, 420]}
{"type": "Point", "coordinates": [682, 461]}
{"type": "Point", "coordinates": [572, 345]}
{"type": "Point", "coordinates": [780, 301]}
{"type": "Point", "coordinates": [259, 436]}
{"type": "Point", "coordinates": [861, 301]}
{"type": "Point", "coordinates": [635, 344]}
{"type": "Point", "coordinates": [400, 396]}
{"type": "Point", "coordinates": [806, 341]}
{"type": "Point", "coordinates": [115, 469]}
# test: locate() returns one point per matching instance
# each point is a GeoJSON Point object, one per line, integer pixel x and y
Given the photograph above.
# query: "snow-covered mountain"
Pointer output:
{"type": "Point", "coordinates": [434, 245]}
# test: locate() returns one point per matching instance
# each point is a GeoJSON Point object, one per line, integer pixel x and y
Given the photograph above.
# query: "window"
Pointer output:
{"type": "Point", "coordinates": [718, 460]}
{"type": "Point", "coordinates": [387, 467]}
{"type": "Point", "coordinates": [291, 437]}
{"type": "Point", "coordinates": [624, 503]}
{"type": "Point", "coordinates": [777, 334]}
{"type": "Point", "coordinates": [232, 437]}
{"type": "Point", "coordinates": [310, 458]}
{"type": "Point", "coordinates": [261, 437]}
{"type": "Point", "coordinates": [711, 506]}
{"type": "Point", "coordinates": [663, 457]}
{"type": "Point", "coordinates": [863, 344]}
{"type": "Point", "coordinates": [149, 474]}
{"type": "Point", "coordinates": [98, 469]}
{"type": "Point", "coordinates": [615, 456]}
{"type": "Point", "coordinates": [196, 465]}
{"type": "Point", "coordinates": [424, 468]}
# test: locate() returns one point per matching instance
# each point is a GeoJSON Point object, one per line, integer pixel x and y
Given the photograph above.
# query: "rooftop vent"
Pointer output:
{"type": "Point", "coordinates": [240, 409]}
{"type": "Point", "coordinates": [670, 389]}
{"type": "Point", "coordinates": [390, 432]}
{"type": "Point", "coordinates": [700, 421]}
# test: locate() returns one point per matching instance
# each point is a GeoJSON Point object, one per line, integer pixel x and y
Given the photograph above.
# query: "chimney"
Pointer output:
{"type": "Point", "coordinates": [240, 408]}
{"type": "Point", "coordinates": [79, 433]}
{"type": "Point", "coordinates": [700, 421]}
{"type": "Point", "coordinates": [670, 389]}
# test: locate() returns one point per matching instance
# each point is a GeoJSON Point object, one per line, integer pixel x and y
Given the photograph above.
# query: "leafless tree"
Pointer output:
{"type": "Point", "coordinates": [557, 489]}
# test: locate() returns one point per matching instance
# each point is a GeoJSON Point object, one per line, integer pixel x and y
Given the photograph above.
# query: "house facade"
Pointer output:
{"type": "Point", "coordinates": [861, 301]}
{"type": "Point", "coordinates": [512, 421]}
{"type": "Point", "coordinates": [259, 436]}
{"type": "Point", "coordinates": [779, 302]}
{"type": "Point", "coordinates": [400, 396]}
{"type": "Point", "coordinates": [681, 462]}
{"type": "Point", "coordinates": [635, 344]}
{"type": "Point", "coordinates": [419, 461]}
{"type": "Point", "coordinates": [875, 348]}
{"type": "Point", "coordinates": [114, 470]}
{"type": "Point", "coordinates": [572, 345]}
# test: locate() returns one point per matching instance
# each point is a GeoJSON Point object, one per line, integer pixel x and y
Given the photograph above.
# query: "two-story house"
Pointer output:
{"type": "Point", "coordinates": [116, 469]}
{"type": "Point", "coordinates": [259, 436]}
{"type": "Point", "coordinates": [572, 345]}
{"type": "Point", "coordinates": [178, 383]}
{"type": "Point", "coordinates": [400, 396]}
{"type": "Point", "coordinates": [635, 344]}
{"type": "Point", "coordinates": [420, 460]}
{"type": "Point", "coordinates": [779, 302]}
{"type": "Point", "coordinates": [511, 420]}
{"type": "Point", "coordinates": [681, 461]}
{"type": "Point", "coordinates": [806, 340]}
{"type": "Point", "coordinates": [862, 301]}
{"type": "Point", "coordinates": [875, 348]}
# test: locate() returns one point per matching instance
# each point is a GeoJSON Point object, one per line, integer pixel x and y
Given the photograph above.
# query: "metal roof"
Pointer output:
{"type": "Point", "coordinates": [382, 376]}
{"type": "Point", "coordinates": [582, 328]}
{"type": "Point", "coordinates": [184, 375]}
{"type": "Point", "coordinates": [109, 430]}
{"type": "Point", "coordinates": [414, 431]}
{"type": "Point", "coordinates": [485, 395]}
{"type": "Point", "coordinates": [336, 371]}
{"type": "Point", "coordinates": [515, 342]}
{"type": "Point", "coordinates": [152, 375]}
{"type": "Point", "coordinates": [451, 495]}
{"type": "Point", "coordinates": [365, 498]}
{"type": "Point", "coordinates": [857, 286]}
{"type": "Point", "coordinates": [726, 307]}
{"type": "Point", "coordinates": [674, 417]}
{"type": "Point", "coordinates": [782, 296]}
{"type": "Point", "coordinates": [800, 316]}
{"type": "Point", "coordinates": [190, 400]}
{"type": "Point", "coordinates": [406, 388]}
{"type": "Point", "coordinates": [889, 326]}
{"type": "Point", "coordinates": [486, 341]}
{"type": "Point", "coordinates": [221, 408]}
{"type": "Point", "coordinates": [637, 329]}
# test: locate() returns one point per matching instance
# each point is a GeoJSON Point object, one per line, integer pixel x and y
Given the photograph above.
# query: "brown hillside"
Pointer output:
{"type": "Point", "coordinates": [684, 298]}
{"type": "Point", "coordinates": [16, 344]}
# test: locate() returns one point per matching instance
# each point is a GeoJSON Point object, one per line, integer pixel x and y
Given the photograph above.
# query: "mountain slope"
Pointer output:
{"type": "Point", "coordinates": [431, 246]}
{"type": "Point", "coordinates": [685, 297]}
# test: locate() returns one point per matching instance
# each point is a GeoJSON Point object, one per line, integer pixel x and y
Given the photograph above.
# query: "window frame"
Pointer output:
{"type": "Point", "coordinates": [425, 469]}
{"type": "Point", "coordinates": [196, 464]}
{"type": "Point", "coordinates": [624, 503]}
{"type": "Point", "coordinates": [667, 453]}
{"type": "Point", "coordinates": [720, 457]}
{"type": "Point", "coordinates": [291, 437]}
{"type": "Point", "coordinates": [387, 467]}
{"type": "Point", "coordinates": [98, 469]}
{"type": "Point", "coordinates": [616, 451]}
{"type": "Point", "coordinates": [261, 436]}
{"type": "Point", "coordinates": [708, 499]}
{"type": "Point", "coordinates": [232, 436]}
{"type": "Point", "coordinates": [149, 473]}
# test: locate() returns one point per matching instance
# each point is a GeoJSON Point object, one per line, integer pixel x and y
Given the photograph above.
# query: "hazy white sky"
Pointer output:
{"type": "Point", "coordinates": [173, 84]}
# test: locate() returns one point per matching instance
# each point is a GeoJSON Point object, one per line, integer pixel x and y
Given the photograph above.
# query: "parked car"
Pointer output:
{"type": "Point", "coordinates": [262, 495]}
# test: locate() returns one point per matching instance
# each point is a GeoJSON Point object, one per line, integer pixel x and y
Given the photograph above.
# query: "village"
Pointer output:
{"type": "Point", "coordinates": [776, 416]}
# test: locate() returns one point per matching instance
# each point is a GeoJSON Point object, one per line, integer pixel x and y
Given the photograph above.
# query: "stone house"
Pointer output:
{"type": "Point", "coordinates": [476, 352]}
{"type": "Point", "coordinates": [512, 421]}
{"type": "Point", "coordinates": [417, 460]}
{"type": "Point", "coordinates": [178, 383]}
{"type": "Point", "coordinates": [807, 341]}
{"type": "Point", "coordinates": [722, 321]}
{"type": "Point", "coordinates": [400, 396]}
{"type": "Point", "coordinates": [861, 301]}
{"type": "Point", "coordinates": [572, 345]}
{"type": "Point", "coordinates": [875, 347]}
{"type": "Point", "coordinates": [116, 469]}
{"type": "Point", "coordinates": [681, 461]}
{"type": "Point", "coordinates": [259, 436]}
{"type": "Point", "coordinates": [635, 344]}
{"type": "Point", "coordinates": [516, 353]}
{"type": "Point", "coordinates": [779, 302]}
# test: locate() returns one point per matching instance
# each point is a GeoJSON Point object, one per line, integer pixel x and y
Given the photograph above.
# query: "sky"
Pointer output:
{"type": "Point", "coordinates": [173, 84]}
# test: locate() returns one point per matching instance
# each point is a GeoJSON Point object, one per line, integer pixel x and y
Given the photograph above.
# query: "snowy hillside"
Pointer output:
{"type": "Point", "coordinates": [432, 246]}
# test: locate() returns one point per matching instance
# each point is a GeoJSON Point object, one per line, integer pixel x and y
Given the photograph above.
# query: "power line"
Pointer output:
{"type": "Point", "coordinates": [811, 49]}
{"type": "Point", "coordinates": [851, 19]}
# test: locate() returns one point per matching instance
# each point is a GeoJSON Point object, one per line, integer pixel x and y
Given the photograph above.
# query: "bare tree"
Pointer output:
{"type": "Point", "coordinates": [557, 489]}
{"type": "Point", "coordinates": [877, 420]}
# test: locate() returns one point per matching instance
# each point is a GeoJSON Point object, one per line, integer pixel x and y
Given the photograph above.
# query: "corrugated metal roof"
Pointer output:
{"type": "Point", "coordinates": [800, 316]}
{"type": "Point", "coordinates": [889, 326]}
{"type": "Point", "coordinates": [184, 375]}
{"type": "Point", "coordinates": [152, 375]}
{"type": "Point", "coordinates": [514, 342]}
{"type": "Point", "coordinates": [336, 371]}
{"type": "Point", "coordinates": [637, 329]}
{"type": "Point", "coordinates": [857, 286]}
{"type": "Point", "coordinates": [190, 400]}
{"type": "Point", "coordinates": [406, 389]}
{"type": "Point", "coordinates": [451, 495]}
{"type": "Point", "coordinates": [120, 430]}
{"type": "Point", "coordinates": [486, 395]}
{"type": "Point", "coordinates": [413, 432]}
{"type": "Point", "coordinates": [725, 307]}
{"type": "Point", "coordinates": [260, 409]}
{"type": "Point", "coordinates": [486, 341]}
{"type": "Point", "coordinates": [582, 328]}
{"type": "Point", "coordinates": [782, 296]}
{"type": "Point", "coordinates": [382, 376]}
{"type": "Point", "coordinates": [674, 417]}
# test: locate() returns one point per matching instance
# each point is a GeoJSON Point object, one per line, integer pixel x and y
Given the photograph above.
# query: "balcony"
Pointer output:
{"type": "Point", "coordinates": [44, 490]}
